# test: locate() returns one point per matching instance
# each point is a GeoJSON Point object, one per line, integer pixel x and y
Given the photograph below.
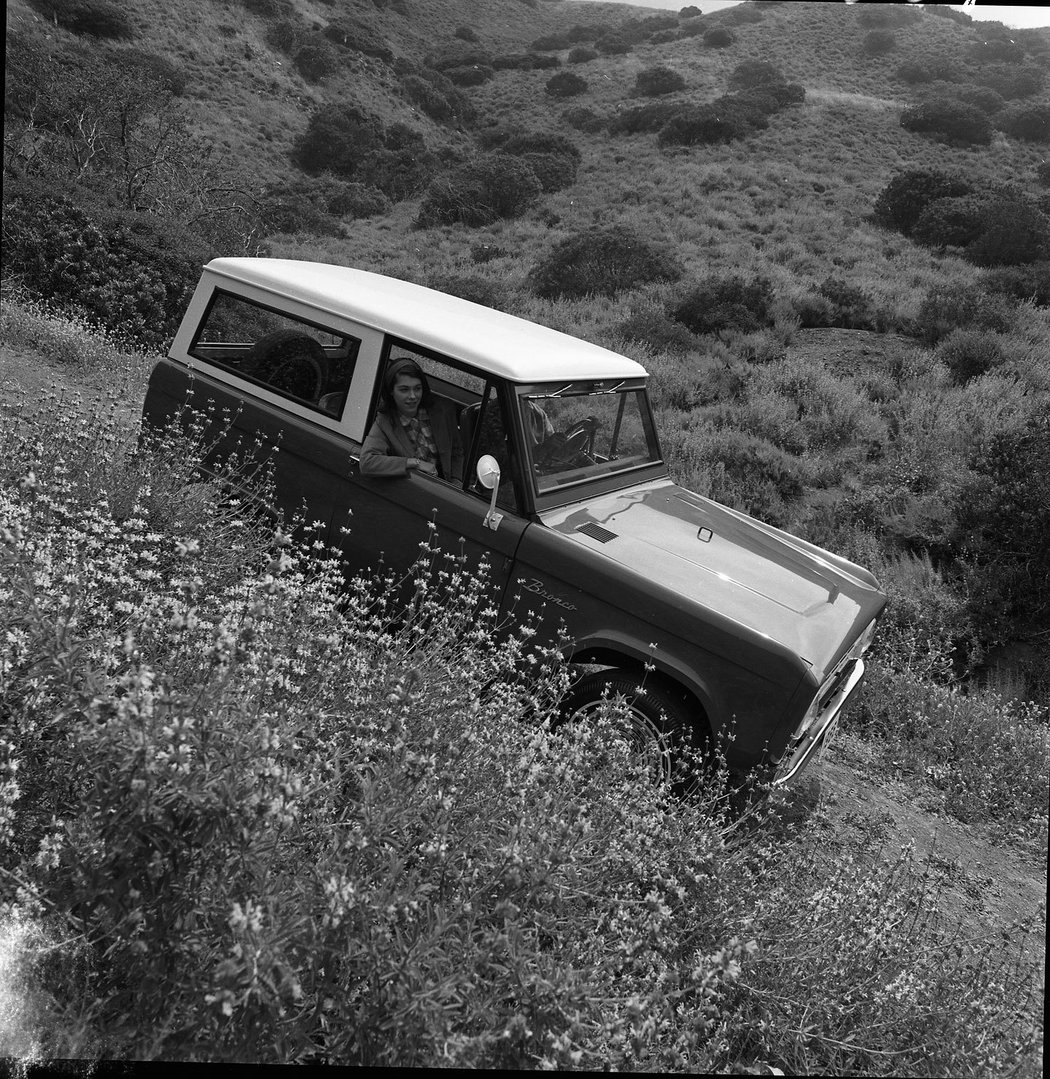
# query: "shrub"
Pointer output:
{"type": "Point", "coordinates": [542, 142]}
{"type": "Point", "coordinates": [584, 119]}
{"type": "Point", "coordinates": [473, 75]}
{"type": "Point", "coordinates": [480, 290]}
{"type": "Point", "coordinates": [154, 67]}
{"type": "Point", "coordinates": [719, 38]}
{"type": "Point", "coordinates": [981, 97]}
{"type": "Point", "coordinates": [653, 328]}
{"type": "Point", "coordinates": [437, 96]}
{"type": "Point", "coordinates": [565, 84]}
{"type": "Point", "coordinates": [286, 35]}
{"type": "Point", "coordinates": [336, 139]}
{"type": "Point", "coordinates": [553, 42]}
{"type": "Point", "coordinates": [1028, 122]}
{"type": "Point", "coordinates": [130, 272]}
{"type": "Point", "coordinates": [582, 54]}
{"type": "Point", "coordinates": [554, 171]}
{"type": "Point", "coordinates": [316, 59]}
{"type": "Point", "coordinates": [480, 192]}
{"type": "Point", "coordinates": [654, 81]}
{"type": "Point", "coordinates": [649, 117]}
{"type": "Point", "coordinates": [91, 18]}
{"type": "Point", "coordinates": [948, 307]}
{"type": "Point", "coordinates": [482, 252]}
{"type": "Point", "coordinates": [951, 222]}
{"type": "Point", "coordinates": [713, 123]}
{"type": "Point", "coordinates": [662, 37]}
{"type": "Point", "coordinates": [726, 303]}
{"type": "Point", "coordinates": [902, 201]}
{"type": "Point", "coordinates": [458, 54]}
{"type": "Point", "coordinates": [1030, 282]}
{"type": "Point", "coordinates": [950, 121]}
{"type": "Point", "coordinates": [1013, 231]}
{"type": "Point", "coordinates": [878, 43]}
{"type": "Point", "coordinates": [465, 33]}
{"type": "Point", "coordinates": [271, 9]}
{"type": "Point", "coordinates": [690, 11]}
{"type": "Point", "coordinates": [356, 36]}
{"type": "Point", "coordinates": [1011, 80]}
{"type": "Point", "coordinates": [751, 73]}
{"type": "Point", "coordinates": [850, 306]}
{"type": "Point", "coordinates": [614, 44]}
{"type": "Point", "coordinates": [602, 261]}
{"type": "Point", "coordinates": [524, 61]}
{"type": "Point", "coordinates": [314, 204]}
{"type": "Point", "coordinates": [1003, 532]}
{"type": "Point", "coordinates": [970, 353]}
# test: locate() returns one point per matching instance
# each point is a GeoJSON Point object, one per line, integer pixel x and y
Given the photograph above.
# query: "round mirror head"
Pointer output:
{"type": "Point", "coordinates": [488, 471]}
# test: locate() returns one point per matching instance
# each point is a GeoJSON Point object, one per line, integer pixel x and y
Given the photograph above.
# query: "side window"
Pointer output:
{"type": "Point", "coordinates": [299, 360]}
{"type": "Point", "coordinates": [480, 417]}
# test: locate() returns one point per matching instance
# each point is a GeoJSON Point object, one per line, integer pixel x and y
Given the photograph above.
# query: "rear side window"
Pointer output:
{"type": "Point", "coordinates": [302, 361]}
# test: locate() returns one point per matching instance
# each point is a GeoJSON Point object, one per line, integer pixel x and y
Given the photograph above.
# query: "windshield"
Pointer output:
{"type": "Point", "coordinates": [579, 430]}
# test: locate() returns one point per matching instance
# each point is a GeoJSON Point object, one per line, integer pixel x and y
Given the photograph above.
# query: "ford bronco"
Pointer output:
{"type": "Point", "coordinates": [705, 620]}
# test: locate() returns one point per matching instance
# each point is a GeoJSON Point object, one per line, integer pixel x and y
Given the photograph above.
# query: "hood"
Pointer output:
{"type": "Point", "coordinates": [809, 600]}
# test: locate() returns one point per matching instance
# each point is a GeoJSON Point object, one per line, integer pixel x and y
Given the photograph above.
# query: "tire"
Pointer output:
{"type": "Point", "coordinates": [290, 362]}
{"type": "Point", "coordinates": [664, 722]}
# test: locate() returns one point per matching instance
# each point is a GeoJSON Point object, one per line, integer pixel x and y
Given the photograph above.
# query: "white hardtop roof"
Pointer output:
{"type": "Point", "coordinates": [498, 343]}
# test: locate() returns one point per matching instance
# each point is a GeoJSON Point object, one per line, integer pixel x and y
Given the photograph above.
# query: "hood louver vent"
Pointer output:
{"type": "Point", "coordinates": [596, 531]}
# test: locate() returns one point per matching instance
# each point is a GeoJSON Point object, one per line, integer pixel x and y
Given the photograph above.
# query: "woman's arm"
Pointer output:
{"type": "Point", "coordinates": [378, 457]}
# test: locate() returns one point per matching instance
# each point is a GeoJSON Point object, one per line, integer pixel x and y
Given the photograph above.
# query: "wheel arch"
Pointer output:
{"type": "Point", "coordinates": [615, 652]}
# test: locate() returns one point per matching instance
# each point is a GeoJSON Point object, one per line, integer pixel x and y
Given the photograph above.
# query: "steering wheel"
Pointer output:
{"type": "Point", "coordinates": [573, 448]}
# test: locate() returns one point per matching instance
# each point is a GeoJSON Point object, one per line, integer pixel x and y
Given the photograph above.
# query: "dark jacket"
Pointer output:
{"type": "Point", "coordinates": [387, 446]}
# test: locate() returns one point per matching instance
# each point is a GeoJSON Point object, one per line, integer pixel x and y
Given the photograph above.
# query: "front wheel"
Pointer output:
{"type": "Point", "coordinates": [663, 729]}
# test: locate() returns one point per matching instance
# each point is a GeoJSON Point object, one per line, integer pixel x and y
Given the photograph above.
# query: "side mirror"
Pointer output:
{"type": "Point", "coordinates": [488, 477]}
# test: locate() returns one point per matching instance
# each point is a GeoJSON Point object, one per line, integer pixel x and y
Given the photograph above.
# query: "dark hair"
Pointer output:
{"type": "Point", "coordinates": [398, 366]}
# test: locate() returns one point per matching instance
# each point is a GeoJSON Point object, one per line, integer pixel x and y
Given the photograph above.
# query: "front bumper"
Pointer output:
{"type": "Point", "coordinates": [801, 752]}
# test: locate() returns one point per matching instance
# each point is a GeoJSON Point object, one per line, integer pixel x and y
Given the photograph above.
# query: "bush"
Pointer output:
{"type": "Point", "coordinates": [949, 121]}
{"type": "Point", "coordinates": [91, 18]}
{"type": "Point", "coordinates": [752, 73]}
{"type": "Point", "coordinates": [970, 353]}
{"type": "Point", "coordinates": [542, 142]}
{"type": "Point", "coordinates": [565, 84]}
{"type": "Point", "coordinates": [473, 75]}
{"type": "Point", "coordinates": [878, 43]}
{"type": "Point", "coordinates": [286, 35]}
{"type": "Point", "coordinates": [650, 117]}
{"type": "Point", "coordinates": [584, 119]}
{"type": "Point", "coordinates": [465, 33]}
{"type": "Point", "coordinates": [1011, 80]}
{"type": "Point", "coordinates": [713, 123]}
{"type": "Point", "coordinates": [1013, 231]}
{"type": "Point", "coordinates": [948, 307]}
{"type": "Point", "coordinates": [1028, 122]}
{"type": "Point", "coordinates": [980, 97]}
{"type": "Point", "coordinates": [719, 38]}
{"type": "Point", "coordinates": [614, 44]}
{"type": "Point", "coordinates": [1030, 282]}
{"type": "Point", "coordinates": [553, 43]}
{"type": "Point", "coordinates": [653, 328]}
{"type": "Point", "coordinates": [480, 192]}
{"type": "Point", "coordinates": [480, 290]}
{"type": "Point", "coordinates": [154, 67]}
{"type": "Point", "coordinates": [848, 305]}
{"type": "Point", "coordinates": [316, 59]}
{"type": "Point", "coordinates": [902, 201]}
{"type": "Point", "coordinates": [437, 96]}
{"type": "Point", "coordinates": [951, 222]}
{"type": "Point", "coordinates": [602, 261]}
{"type": "Point", "coordinates": [1003, 533]}
{"type": "Point", "coordinates": [726, 303]}
{"type": "Point", "coordinates": [315, 205]}
{"type": "Point", "coordinates": [337, 139]}
{"type": "Point", "coordinates": [130, 272]}
{"type": "Point", "coordinates": [524, 61]}
{"type": "Point", "coordinates": [654, 81]}
{"type": "Point", "coordinates": [356, 36]}
{"type": "Point", "coordinates": [555, 172]}
{"type": "Point", "coordinates": [582, 54]}
{"type": "Point", "coordinates": [458, 54]}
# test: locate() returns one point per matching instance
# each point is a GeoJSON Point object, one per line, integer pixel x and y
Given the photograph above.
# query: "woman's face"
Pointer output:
{"type": "Point", "coordinates": [407, 392]}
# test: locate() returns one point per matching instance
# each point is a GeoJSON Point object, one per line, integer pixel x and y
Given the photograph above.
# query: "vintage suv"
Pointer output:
{"type": "Point", "coordinates": [706, 620]}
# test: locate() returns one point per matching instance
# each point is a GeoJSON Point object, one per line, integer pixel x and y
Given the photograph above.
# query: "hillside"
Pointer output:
{"type": "Point", "coordinates": [824, 229]}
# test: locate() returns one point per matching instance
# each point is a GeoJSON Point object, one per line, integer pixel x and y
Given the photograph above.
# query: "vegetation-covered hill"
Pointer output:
{"type": "Point", "coordinates": [823, 228]}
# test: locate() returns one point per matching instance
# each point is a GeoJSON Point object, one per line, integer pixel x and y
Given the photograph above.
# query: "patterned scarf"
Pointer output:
{"type": "Point", "coordinates": [420, 435]}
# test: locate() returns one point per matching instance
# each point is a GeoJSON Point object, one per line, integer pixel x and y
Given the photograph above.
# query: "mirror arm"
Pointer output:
{"type": "Point", "coordinates": [492, 518]}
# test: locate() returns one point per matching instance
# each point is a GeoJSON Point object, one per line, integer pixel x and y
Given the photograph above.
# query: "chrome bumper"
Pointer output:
{"type": "Point", "coordinates": [801, 751]}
